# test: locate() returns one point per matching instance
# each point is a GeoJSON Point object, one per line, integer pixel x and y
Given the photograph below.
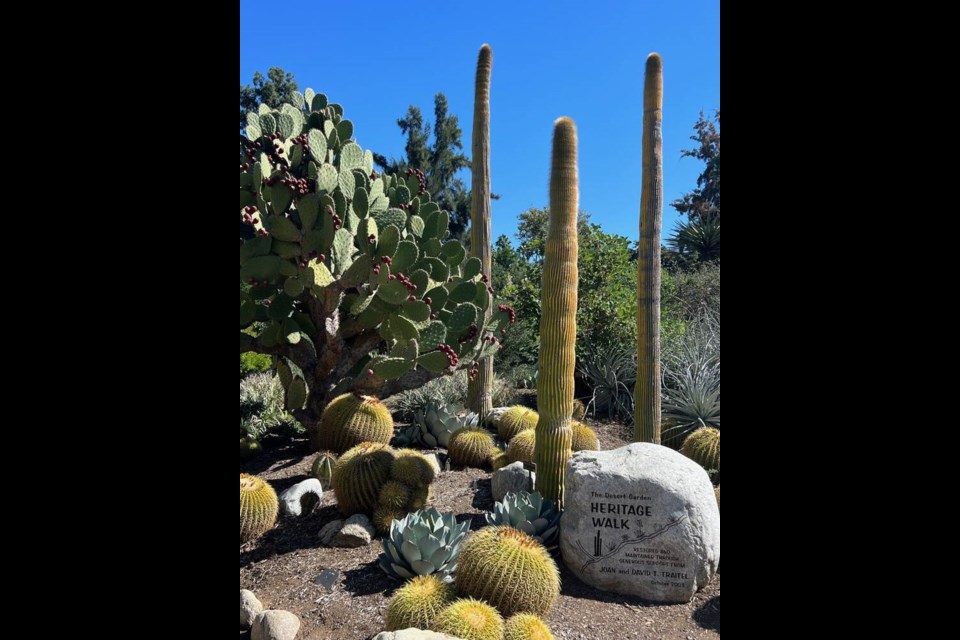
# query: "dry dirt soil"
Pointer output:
{"type": "Point", "coordinates": [282, 567]}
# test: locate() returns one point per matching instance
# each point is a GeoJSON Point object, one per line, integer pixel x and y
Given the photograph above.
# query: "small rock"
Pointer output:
{"type": "Point", "coordinates": [434, 461]}
{"type": "Point", "coordinates": [493, 418]}
{"type": "Point", "coordinates": [357, 531]}
{"type": "Point", "coordinates": [275, 624]}
{"type": "Point", "coordinates": [329, 530]}
{"type": "Point", "coordinates": [301, 498]}
{"type": "Point", "coordinates": [512, 478]}
{"type": "Point", "coordinates": [413, 634]}
{"type": "Point", "coordinates": [249, 608]}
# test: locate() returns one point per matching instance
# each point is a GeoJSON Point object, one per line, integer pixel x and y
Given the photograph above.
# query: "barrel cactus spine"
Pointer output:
{"type": "Point", "coordinates": [558, 320]}
{"type": "Point", "coordinates": [703, 447]}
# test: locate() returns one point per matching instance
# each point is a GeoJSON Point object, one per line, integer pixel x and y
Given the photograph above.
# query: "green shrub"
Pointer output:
{"type": "Point", "coordinates": [251, 362]}
{"type": "Point", "coordinates": [261, 408]}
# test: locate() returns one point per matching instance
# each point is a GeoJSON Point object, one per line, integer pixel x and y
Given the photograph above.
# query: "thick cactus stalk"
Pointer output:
{"type": "Point", "coordinates": [480, 392]}
{"type": "Point", "coordinates": [558, 322]}
{"type": "Point", "coordinates": [647, 390]}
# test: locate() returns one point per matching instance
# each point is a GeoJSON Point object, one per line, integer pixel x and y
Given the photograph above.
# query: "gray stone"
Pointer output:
{"type": "Point", "coordinates": [357, 531]}
{"type": "Point", "coordinates": [434, 461]}
{"type": "Point", "coordinates": [249, 608]}
{"type": "Point", "coordinates": [493, 418]}
{"type": "Point", "coordinates": [413, 634]}
{"type": "Point", "coordinates": [275, 624]}
{"type": "Point", "coordinates": [512, 478]}
{"type": "Point", "coordinates": [640, 520]}
{"type": "Point", "coordinates": [301, 498]}
{"type": "Point", "coordinates": [329, 530]}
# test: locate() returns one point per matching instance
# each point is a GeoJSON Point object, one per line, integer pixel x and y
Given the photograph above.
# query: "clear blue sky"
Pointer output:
{"type": "Point", "coordinates": [582, 59]}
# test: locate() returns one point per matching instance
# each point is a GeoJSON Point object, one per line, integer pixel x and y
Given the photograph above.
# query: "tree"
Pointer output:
{"type": "Point", "coordinates": [439, 161]}
{"type": "Point", "coordinates": [704, 201]}
{"type": "Point", "coordinates": [698, 238]}
{"type": "Point", "coordinates": [273, 91]}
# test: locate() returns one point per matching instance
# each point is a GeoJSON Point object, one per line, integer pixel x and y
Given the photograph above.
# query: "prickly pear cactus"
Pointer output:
{"type": "Point", "coordinates": [349, 279]}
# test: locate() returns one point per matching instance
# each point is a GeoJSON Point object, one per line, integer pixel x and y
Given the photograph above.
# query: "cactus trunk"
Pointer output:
{"type": "Point", "coordinates": [480, 393]}
{"type": "Point", "coordinates": [558, 322]}
{"type": "Point", "coordinates": [647, 391]}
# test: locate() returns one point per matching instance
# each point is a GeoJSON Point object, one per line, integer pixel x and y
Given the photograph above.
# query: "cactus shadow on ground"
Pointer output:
{"type": "Point", "coordinates": [368, 579]}
{"type": "Point", "coordinates": [708, 615]}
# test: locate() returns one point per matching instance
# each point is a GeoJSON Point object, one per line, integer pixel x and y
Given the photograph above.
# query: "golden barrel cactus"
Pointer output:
{"type": "Point", "coordinates": [258, 507]}
{"type": "Point", "coordinates": [351, 419]}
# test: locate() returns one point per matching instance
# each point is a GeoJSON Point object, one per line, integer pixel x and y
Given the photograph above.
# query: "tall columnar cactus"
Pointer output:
{"type": "Point", "coordinates": [647, 390]}
{"type": "Point", "coordinates": [558, 321]}
{"type": "Point", "coordinates": [480, 391]}
{"type": "Point", "coordinates": [348, 278]}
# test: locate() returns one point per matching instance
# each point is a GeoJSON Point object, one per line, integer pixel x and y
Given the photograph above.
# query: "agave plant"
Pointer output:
{"type": "Point", "coordinates": [425, 542]}
{"type": "Point", "coordinates": [438, 422]}
{"type": "Point", "coordinates": [406, 436]}
{"type": "Point", "coordinates": [529, 513]}
{"type": "Point", "coordinates": [691, 380]}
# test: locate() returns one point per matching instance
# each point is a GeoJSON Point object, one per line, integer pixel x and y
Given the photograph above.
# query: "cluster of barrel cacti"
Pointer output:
{"type": "Point", "coordinates": [522, 444]}
{"type": "Point", "coordinates": [324, 236]}
{"type": "Point", "coordinates": [375, 479]}
{"type": "Point", "coordinates": [530, 513]}
{"type": "Point", "coordinates": [438, 422]}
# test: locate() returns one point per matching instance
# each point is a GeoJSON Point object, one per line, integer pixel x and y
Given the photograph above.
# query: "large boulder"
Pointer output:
{"type": "Point", "coordinates": [640, 520]}
{"type": "Point", "coordinates": [250, 606]}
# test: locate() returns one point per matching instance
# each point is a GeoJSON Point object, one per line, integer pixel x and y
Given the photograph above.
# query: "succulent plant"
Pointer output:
{"type": "Point", "coordinates": [497, 458]}
{"type": "Point", "coordinates": [438, 422]}
{"type": "Point", "coordinates": [492, 419]}
{"type": "Point", "coordinates": [351, 419]}
{"type": "Point", "coordinates": [383, 517]}
{"type": "Point", "coordinates": [470, 619]}
{"type": "Point", "coordinates": [419, 497]}
{"type": "Point", "coordinates": [584, 439]}
{"type": "Point", "coordinates": [394, 495]}
{"type": "Point", "coordinates": [471, 447]}
{"type": "Point", "coordinates": [249, 448]}
{"type": "Point", "coordinates": [529, 513]}
{"type": "Point", "coordinates": [647, 389]}
{"type": "Point", "coordinates": [525, 626]}
{"type": "Point", "coordinates": [703, 447]}
{"type": "Point", "coordinates": [423, 543]}
{"type": "Point", "coordinates": [510, 570]}
{"type": "Point", "coordinates": [515, 420]}
{"type": "Point", "coordinates": [412, 468]}
{"type": "Point", "coordinates": [558, 317]}
{"type": "Point", "coordinates": [406, 436]}
{"type": "Point", "coordinates": [258, 507]}
{"type": "Point", "coordinates": [521, 446]}
{"type": "Point", "coordinates": [418, 603]}
{"type": "Point", "coordinates": [324, 236]}
{"type": "Point", "coordinates": [322, 468]}
{"type": "Point", "coordinates": [359, 475]}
